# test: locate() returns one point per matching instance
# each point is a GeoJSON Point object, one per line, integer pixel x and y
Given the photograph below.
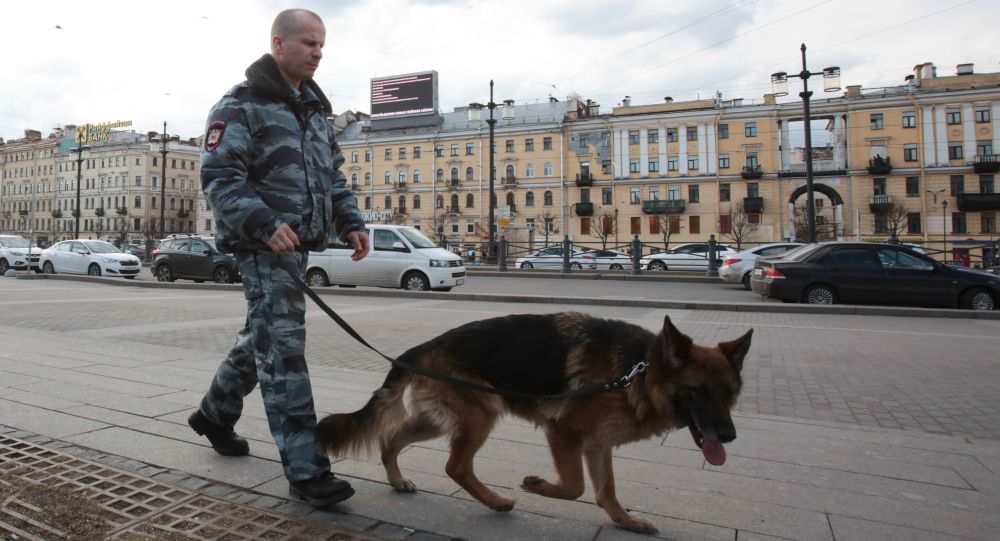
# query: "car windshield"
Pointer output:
{"type": "Point", "coordinates": [801, 253]}
{"type": "Point", "coordinates": [211, 242]}
{"type": "Point", "coordinates": [14, 242]}
{"type": "Point", "coordinates": [99, 247]}
{"type": "Point", "coordinates": [416, 238]}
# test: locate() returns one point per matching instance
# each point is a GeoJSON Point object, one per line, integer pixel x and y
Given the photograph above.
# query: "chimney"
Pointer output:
{"type": "Point", "coordinates": [964, 69]}
{"type": "Point", "coordinates": [769, 99]}
{"type": "Point", "coordinates": [627, 102]}
{"type": "Point", "coordinates": [593, 108]}
{"type": "Point", "coordinates": [925, 71]}
{"type": "Point", "coordinates": [668, 99]}
{"type": "Point", "coordinates": [853, 91]}
{"type": "Point", "coordinates": [32, 135]}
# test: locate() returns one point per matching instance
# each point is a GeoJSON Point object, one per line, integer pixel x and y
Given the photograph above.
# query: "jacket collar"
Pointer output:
{"type": "Point", "coordinates": [264, 77]}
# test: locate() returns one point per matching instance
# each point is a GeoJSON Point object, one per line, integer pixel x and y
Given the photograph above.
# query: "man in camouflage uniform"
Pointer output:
{"type": "Point", "coordinates": [270, 170]}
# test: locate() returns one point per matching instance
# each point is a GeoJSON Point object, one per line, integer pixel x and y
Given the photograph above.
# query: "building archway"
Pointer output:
{"type": "Point", "coordinates": [837, 229]}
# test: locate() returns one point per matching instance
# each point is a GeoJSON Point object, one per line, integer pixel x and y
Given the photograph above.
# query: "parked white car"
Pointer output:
{"type": "Point", "coordinates": [93, 257]}
{"type": "Point", "coordinates": [611, 259]}
{"type": "Point", "coordinates": [736, 268]}
{"type": "Point", "coordinates": [14, 254]}
{"type": "Point", "coordinates": [690, 256]}
{"type": "Point", "coordinates": [552, 258]}
{"type": "Point", "coordinates": [400, 257]}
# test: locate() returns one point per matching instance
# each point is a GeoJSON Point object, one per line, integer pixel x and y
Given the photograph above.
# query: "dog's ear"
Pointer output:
{"type": "Point", "coordinates": [735, 350]}
{"type": "Point", "coordinates": [676, 345]}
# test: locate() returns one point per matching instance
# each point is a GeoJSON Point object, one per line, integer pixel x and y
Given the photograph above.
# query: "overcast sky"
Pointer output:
{"type": "Point", "coordinates": [76, 62]}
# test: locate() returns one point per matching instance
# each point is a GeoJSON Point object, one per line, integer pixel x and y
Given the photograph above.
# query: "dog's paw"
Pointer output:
{"type": "Point", "coordinates": [633, 523]}
{"type": "Point", "coordinates": [502, 504]}
{"type": "Point", "coordinates": [403, 485]}
{"type": "Point", "coordinates": [532, 482]}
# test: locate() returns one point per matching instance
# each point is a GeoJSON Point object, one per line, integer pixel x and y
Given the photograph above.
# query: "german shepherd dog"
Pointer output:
{"type": "Point", "coordinates": [684, 385]}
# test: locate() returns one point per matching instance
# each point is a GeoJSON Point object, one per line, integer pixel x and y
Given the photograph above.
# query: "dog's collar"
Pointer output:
{"type": "Point", "coordinates": [625, 381]}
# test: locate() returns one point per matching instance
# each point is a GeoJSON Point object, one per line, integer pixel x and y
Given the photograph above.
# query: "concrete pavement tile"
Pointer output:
{"type": "Point", "coordinates": [105, 415]}
{"type": "Point", "coordinates": [435, 482]}
{"type": "Point", "coordinates": [672, 529]}
{"type": "Point", "coordinates": [150, 407]}
{"type": "Point", "coordinates": [265, 449]}
{"type": "Point", "coordinates": [197, 460]}
{"type": "Point", "coordinates": [42, 400]}
{"type": "Point", "coordinates": [46, 422]}
{"type": "Point", "coordinates": [852, 529]}
{"type": "Point", "coordinates": [14, 380]}
{"type": "Point", "coordinates": [250, 427]}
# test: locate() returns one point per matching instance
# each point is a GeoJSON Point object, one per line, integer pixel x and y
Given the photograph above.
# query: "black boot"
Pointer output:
{"type": "Point", "coordinates": [321, 491]}
{"type": "Point", "coordinates": [224, 440]}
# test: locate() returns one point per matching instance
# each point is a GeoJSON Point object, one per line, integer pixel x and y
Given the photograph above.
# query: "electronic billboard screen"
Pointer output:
{"type": "Point", "coordinates": [404, 95]}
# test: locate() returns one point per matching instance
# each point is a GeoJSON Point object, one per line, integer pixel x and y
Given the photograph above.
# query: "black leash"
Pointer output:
{"type": "Point", "coordinates": [621, 383]}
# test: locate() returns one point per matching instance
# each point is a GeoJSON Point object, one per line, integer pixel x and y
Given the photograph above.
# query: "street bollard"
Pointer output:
{"type": "Point", "coordinates": [565, 253]}
{"type": "Point", "coordinates": [713, 266]}
{"type": "Point", "coordinates": [636, 255]}
{"type": "Point", "coordinates": [503, 255]}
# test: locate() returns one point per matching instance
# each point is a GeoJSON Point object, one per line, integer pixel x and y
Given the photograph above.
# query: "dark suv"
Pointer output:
{"type": "Point", "coordinates": [193, 258]}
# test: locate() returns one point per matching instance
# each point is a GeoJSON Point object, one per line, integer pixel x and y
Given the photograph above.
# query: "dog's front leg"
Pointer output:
{"type": "Point", "coordinates": [567, 452]}
{"type": "Point", "coordinates": [601, 474]}
{"type": "Point", "coordinates": [465, 442]}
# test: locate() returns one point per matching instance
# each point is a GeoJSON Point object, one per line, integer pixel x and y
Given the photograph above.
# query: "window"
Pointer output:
{"type": "Point", "coordinates": [454, 150]}
{"type": "Point", "coordinates": [633, 165]}
{"type": "Point", "coordinates": [753, 189]}
{"type": "Point", "coordinates": [416, 152]}
{"type": "Point", "coordinates": [416, 176]}
{"type": "Point", "coordinates": [654, 165]}
{"type": "Point", "coordinates": [957, 184]}
{"type": "Point", "coordinates": [909, 119]}
{"type": "Point", "coordinates": [354, 157]}
{"type": "Point", "coordinates": [958, 224]}
{"type": "Point", "coordinates": [750, 129]}
{"type": "Point", "coordinates": [454, 174]}
{"type": "Point", "coordinates": [634, 195]}
{"type": "Point", "coordinates": [585, 195]}
{"type": "Point", "coordinates": [546, 143]}
{"type": "Point", "coordinates": [416, 201]}
{"type": "Point", "coordinates": [654, 224]}
{"type": "Point", "coordinates": [509, 145]}
{"type": "Point", "coordinates": [368, 179]}
{"type": "Point", "coordinates": [402, 153]}
{"type": "Point", "coordinates": [912, 186]}
{"type": "Point", "coordinates": [723, 161]}
{"type": "Point", "coordinates": [635, 225]}
{"type": "Point", "coordinates": [693, 193]}
{"type": "Point", "coordinates": [910, 153]}
{"type": "Point", "coordinates": [988, 222]}
{"type": "Point", "coordinates": [671, 163]}
{"type": "Point", "coordinates": [984, 147]}
{"type": "Point", "coordinates": [986, 184]}
{"type": "Point", "coordinates": [725, 223]}
{"type": "Point", "coordinates": [606, 196]}
{"type": "Point", "coordinates": [529, 199]}
{"type": "Point", "coordinates": [529, 145]}
{"type": "Point", "coordinates": [674, 192]}
{"type": "Point", "coordinates": [509, 172]}
{"type": "Point", "coordinates": [584, 226]}
{"type": "Point", "coordinates": [388, 154]}
{"type": "Point", "coordinates": [439, 202]}
{"type": "Point", "coordinates": [440, 175]}
{"type": "Point", "coordinates": [368, 156]}
{"type": "Point", "coordinates": [953, 116]}
{"type": "Point", "coordinates": [633, 137]}
{"type": "Point", "coordinates": [547, 199]}
{"type": "Point", "coordinates": [653, 136]}
{"type": "Point", "coordinates": [723, 131]}
{"type": "Point", "coordinates": [694, 225]}
{"type": "Point", "coordinates": [388, 177]}
{"type": "Point", "coordinates": [955, 150]}
{"type": "Point", "coordinates": [724, 192]}
{"type": "Point", "coordinates": [470, 201]}
{"type": "Point", "coordinates": [692, 133]}
{"type": "Point", "coordinates": [584, 140]}
{"type": "Point", "coordinates": [674, 224]}
{"type": "Point", "coordinates": [547, 169]}
{"type": "Point", "coordinates": [878, 186]}
{"type": "Point", "coordinates": [469, 173]}
{"type": "Point", "coordinates": [751, 160]}
{"type": "Point", "coordinates": [654, 193]}
{"type": "Point", "coordinates": [671, 135]}
{"type": "Point", "coordinates": [529, 170]}
{"type": "Point", "coordinates": [138, 202]}
{"type": "Point", "coordinates": [401, 178]}
{"type": "Point", "coordinates": [913, 223]}
{"type": "Point", "coordinates": [982, 114]}
{"type": "Point", "coordinates": [439, 151]}
{"type": "Point", "coordinates": [693, 162]}
{"type": "Point", "coordinates": [876, 121]}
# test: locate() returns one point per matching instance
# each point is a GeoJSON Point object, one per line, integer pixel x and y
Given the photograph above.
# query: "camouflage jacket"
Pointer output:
{"type": "Point", "coordinates": [269, 157]}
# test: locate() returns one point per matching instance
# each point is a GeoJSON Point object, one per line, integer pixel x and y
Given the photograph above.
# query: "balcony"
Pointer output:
{"type": "Point", "coordinates": [121, 211]}
{"type": "Point", "coordinates": [183, 213]}
{"type": "Point", "coordinates": [99, 211]}
{"type": "Point", "coordinates": [973, 202]}
{"type": "Point", "coordinates": [355, 187]}
{"type": "Point", "coordinates": [753, 205]}
{"type": "Point", "coordinates": [400, 186]}
{"type": "Point", "coordinates": [657, 206]}
{"type": "Point", "coordinates": [57, 213]}
{"type": "Point", "coordinates": [509, 180]}
{"type": "Point", "coordinates": [879, 203]}
{"type": "Point", "coordinates": [23, 212]}
{"type": "Point", "coordinates": [752, 172]}
{"type": "Point", "coordinates": [453, 184]}
{"type": "Point", "coordinates": [584, 209]}
{"type": "Point", "coordinates": [879, 166]}
{"type": "Point", "coordinates": [452, 210]}
{"type": "Point", "coordinates": [821, 168]}
{"type": "Point", "coordinates": [400, 210]}
{"type": "Point", "coordinates": [986, 163]}
{"type": "Point", "coordinates": [584, 179]}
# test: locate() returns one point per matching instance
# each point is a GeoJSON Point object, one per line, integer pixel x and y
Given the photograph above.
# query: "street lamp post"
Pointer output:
{"type": "Point", "coordinates": [475, 110]}
{"type": "Point", "coordinates": [163, 140]}
{"type": "Point", "coordinates": [831, 83]}
{"type": "Point", "coordinates": [944, 204]}
{"type": "Point", "coordinates": [80, 147]}
{"type": "Point", "coordinates": [944, 227]}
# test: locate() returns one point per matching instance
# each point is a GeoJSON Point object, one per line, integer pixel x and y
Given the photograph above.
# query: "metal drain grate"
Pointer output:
{"type": "Point", "coordinates": [50, 495]}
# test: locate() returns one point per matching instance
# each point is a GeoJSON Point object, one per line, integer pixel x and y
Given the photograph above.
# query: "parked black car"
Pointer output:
{"type": "Point", "coordinates": [194, 258]}
{"type": "Point", "coordinates": [870, 273]}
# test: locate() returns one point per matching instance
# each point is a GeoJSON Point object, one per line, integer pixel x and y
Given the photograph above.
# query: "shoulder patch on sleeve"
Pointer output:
{"type": "Point", "coordinates": [214, 135]}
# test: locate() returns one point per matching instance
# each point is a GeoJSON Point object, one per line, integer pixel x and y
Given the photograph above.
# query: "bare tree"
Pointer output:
{"type": "Point", "coordinates": [891, 217]}
{"type": "Point", "coordinates": [665, 220]}
{"type": "Point", "coordinates": [541, 225]}
{"type": "Point", "coordinates": [604, 226]}
{"type": "Point", "coordinates": [742, 225]}
{"type": "Point", "coordinates": [437, 224]}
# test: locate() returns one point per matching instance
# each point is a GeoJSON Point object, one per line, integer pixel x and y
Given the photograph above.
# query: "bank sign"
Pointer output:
{"type": "Point", "coordinates": [95, 133]}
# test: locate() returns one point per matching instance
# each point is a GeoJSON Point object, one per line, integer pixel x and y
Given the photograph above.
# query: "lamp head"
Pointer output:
{"type": "Point", "coordinates": [831, 79]}
{"type": "Point", "coordinates": [779, 84]}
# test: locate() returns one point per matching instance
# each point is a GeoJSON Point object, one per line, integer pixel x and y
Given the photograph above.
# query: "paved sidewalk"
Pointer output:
{"type": "Point", "coordinates": [849, 427]}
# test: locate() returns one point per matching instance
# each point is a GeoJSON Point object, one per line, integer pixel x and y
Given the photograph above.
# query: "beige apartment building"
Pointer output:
{"type": "Point", "coordinates": [120, 187]}
{"type": "Point", "coordinates": [917, 159]}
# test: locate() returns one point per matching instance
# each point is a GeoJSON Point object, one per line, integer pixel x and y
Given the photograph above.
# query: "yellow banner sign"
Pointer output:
{"type": "Point", "coordinates": [93, 133]}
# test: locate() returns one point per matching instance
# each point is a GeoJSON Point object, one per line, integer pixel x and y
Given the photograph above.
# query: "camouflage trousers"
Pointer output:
{"type": "Point", "coordinates": [270, 350]}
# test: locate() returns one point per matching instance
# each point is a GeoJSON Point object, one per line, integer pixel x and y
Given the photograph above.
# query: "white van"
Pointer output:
{"type": "Point", "coordinates": [400, 257]}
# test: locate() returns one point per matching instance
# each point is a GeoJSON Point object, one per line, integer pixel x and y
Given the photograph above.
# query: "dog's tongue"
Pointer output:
{"type": "Point", "coordinates": [714, 451]}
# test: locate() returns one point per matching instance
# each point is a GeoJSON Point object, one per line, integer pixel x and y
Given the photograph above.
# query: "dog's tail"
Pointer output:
{"type": "Point", "coordinates": [357, 433]}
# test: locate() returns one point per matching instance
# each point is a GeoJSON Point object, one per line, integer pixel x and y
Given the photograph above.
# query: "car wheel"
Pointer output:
{"type": "Point", "coordinates": [819, 294]}
{"type": "Point", "coordinates": [163, 274]}
{"type": "Point", "coordinates": [47, 268]}
{"type": "Point", "coordinates": [575, 266]}
{"type": "Point", "coordinates": [443, 289]}
{"type": "Point", "coordinates": [657, 266]}
{"type": "Point", "coordinates": [746, 281]}
{"type": "Point", "coordinates": [317, 278]}
{"type": "Point", "coordinates": [415, 281]}
{"type": "Point", "coordinates": [616, 266]}
{"type": "Point", "coordinates": [977, 299]}
{"type": "Point", "coordinates": [221, 275]}
{"type": "Point", "coordinates": [527, 265]}
{"type": "Point", "coordinates": [94, 269]}
{"type": "Point", "coordinates": [4, 266]}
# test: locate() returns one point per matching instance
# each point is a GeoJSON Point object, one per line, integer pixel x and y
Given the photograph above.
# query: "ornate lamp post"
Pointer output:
{"type": "Point", "coordinates": [163, 139]}
{"type": "Point", "coordinates": [831, 83]}
{"type": "Point", "coordinates": [475, 112]}
{"type": "Point", "coordinates": [80, 147]}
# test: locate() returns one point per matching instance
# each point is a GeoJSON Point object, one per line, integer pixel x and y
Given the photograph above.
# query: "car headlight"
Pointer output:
{"type": "Point", "coordinates": [439, 263]}
{"type": "Point", "coordinates": [107, 259]}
